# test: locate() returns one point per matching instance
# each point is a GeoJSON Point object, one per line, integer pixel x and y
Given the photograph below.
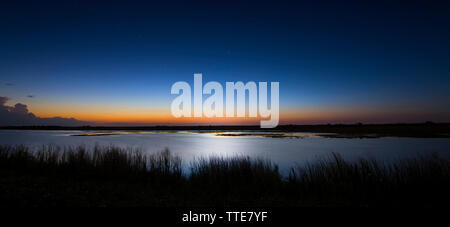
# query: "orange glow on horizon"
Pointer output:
{"type": "Point", "coordinates": [163, 116]}
{"type": "Point", "coordinates": [109, 114]}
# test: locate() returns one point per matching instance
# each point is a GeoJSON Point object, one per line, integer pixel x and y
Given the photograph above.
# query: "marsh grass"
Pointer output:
{"type": "Point", "coordinates": [112, 176]}
{"type": "Point", "coordinates": [422, 180]}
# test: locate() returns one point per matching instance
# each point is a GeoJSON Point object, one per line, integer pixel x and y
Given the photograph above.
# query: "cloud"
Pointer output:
{"type": "Point", "coordinates": [30, 96]}
{"type": "Point", "coordinates": [3, 100]}
{"type": "Point", "coordinates": [19, 108]}
{"type": "Point", "coordinates": [9, 84]}
{"type": "Point", "coordinates": [18, 115]}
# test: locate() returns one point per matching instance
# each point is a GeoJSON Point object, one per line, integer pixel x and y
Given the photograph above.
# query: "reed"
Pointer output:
{"type": "Point", "coordinates": [113, 176]}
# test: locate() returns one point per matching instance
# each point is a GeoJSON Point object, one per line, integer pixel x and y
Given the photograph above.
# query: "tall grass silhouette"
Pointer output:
{"type": "Point", "coordinates": [113, 176]}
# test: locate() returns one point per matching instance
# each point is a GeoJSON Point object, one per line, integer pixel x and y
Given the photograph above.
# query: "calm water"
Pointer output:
{"type": "Point", "coordinates": [283, 151]}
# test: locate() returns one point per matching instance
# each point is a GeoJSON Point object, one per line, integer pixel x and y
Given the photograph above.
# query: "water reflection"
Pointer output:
{"type": "Point", "coordinates": [284, 151]}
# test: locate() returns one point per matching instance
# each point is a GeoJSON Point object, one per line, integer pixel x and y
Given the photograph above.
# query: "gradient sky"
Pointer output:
{"type": "Point", "coordinates": [114, 62]}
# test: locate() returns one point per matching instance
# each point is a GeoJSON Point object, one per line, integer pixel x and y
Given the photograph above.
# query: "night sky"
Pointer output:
{"type": "Point", "coordinates": [111, 62]}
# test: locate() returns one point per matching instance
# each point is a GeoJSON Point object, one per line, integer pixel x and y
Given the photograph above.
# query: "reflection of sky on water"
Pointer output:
{"type": "Point", "coordinates": [283, 151]}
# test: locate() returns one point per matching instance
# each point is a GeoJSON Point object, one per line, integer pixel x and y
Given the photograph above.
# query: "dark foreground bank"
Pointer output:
{"type": "Point", "coordinates": [111, 176]}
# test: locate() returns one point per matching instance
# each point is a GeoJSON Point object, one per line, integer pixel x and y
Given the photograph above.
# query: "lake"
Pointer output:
{"type": "Point", "coordinates": [286, 152]}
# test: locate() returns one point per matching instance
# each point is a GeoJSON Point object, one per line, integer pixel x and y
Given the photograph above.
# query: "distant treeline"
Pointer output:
{"type": "Point", "coordinates": [428, 129]}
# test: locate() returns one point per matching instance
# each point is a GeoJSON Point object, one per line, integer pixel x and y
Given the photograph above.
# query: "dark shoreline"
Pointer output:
{"type": "Point", "coordinates": [418, 130]}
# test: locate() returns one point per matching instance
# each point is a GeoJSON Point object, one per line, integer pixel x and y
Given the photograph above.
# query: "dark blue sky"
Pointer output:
{"type": "Point", "coordinates": [369, 61]}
